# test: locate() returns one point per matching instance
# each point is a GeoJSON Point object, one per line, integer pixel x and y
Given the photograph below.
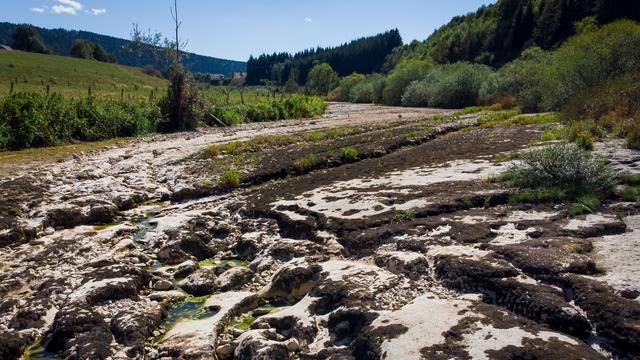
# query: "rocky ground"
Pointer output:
{"type": "Point", "coordinates": [399, 248]}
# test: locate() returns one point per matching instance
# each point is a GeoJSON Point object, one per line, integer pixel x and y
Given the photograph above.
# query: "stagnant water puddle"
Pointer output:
{"type": "Point", "coordinates": [190, 309]}
{"type": "Point", "coordinates": [39, 352]}
{"type": "Point", "coordinates": [147, 222]}
{"type": "Point", "coordinates": [243, 322]}
{"type": "Point", "coordinates": [223, 262]}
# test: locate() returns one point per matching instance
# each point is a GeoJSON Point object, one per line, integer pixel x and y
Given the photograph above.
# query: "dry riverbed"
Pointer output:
{"type": "Point", "coordinates": [368, 233]}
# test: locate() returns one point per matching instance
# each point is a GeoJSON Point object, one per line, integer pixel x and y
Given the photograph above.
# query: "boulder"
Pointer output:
{"type": "Point", "coordinates": [200, 283]}
{"type": "Point", "coordinates": [234, 278]}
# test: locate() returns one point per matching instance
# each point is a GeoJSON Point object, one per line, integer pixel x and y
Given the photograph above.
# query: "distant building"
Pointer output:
{"type": "Point", "coordinates": [6, 48]}
{"type": "Point", "coordinates": [238, 75]}
{"type": "Point", "coordinates": [217, 77]}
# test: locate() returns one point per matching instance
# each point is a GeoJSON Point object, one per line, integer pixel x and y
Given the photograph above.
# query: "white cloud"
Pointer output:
{"type": "Point", "coordinates": [308, 20]}
{"type": "Point", "coordinates": [70, 7]}
{"type": "Point", "coordinates": [71, 3]}
{"type": "Point", "coordinates": [38, 9]}
{"type": "Point", "coordinates": [97, 12]}
{"type": "Point", "coordinates": [61, 9]}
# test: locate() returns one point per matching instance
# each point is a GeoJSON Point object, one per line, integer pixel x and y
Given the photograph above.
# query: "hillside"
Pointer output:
{"type": "Point", "coordinates": [365, 56]}
{"type": "Point", "coordinates": [72, 77]}
{"type": "Point", "coordinates": [61, 40]}
{"type": "Point", "coordinates": [497, 34]}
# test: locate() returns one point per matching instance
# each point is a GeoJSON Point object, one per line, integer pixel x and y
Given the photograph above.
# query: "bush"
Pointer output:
{"type": "Point", "coordinates": [404, 74]}
{"type": "Point", "coordinates": [452, 86]}
{"type": "Point", "coordinates": [564, 166]}
{"type": "Point", "coordinates": [296, 106]}
{"type": "Point", "coordinates": [346, 84]}
{"type": "Point", "coordinates": [369, 90]}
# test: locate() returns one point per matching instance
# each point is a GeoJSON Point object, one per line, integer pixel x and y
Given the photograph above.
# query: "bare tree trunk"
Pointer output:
{"type": "Point", "coordinates": [178, 23]}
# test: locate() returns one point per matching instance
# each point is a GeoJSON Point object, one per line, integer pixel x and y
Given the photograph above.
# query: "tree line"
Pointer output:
{"type": "Point", "coordinates": [498, 33]}
{"type": "Point", "coordinates": [60, 42]}
{"type": "Point", "coordinates": [366, 55]}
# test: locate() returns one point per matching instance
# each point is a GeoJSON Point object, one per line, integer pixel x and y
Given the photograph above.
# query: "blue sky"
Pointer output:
{"type": "Point", "coordinates": [236, 29]}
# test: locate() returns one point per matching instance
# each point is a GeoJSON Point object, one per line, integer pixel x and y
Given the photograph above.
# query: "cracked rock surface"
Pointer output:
{"type": "Point", "coordinates": [403, 252]}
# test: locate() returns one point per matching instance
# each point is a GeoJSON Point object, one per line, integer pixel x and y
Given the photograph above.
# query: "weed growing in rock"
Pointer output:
{"type": "Point", "coordinates": [405, 216]}
{"type": "Point", "coordinates": [631, 193]}
{"type": "Point", "coordinates": [304, 163]}
{"type": "Point", "coordinates": [349, 153]}
{"type": "Point", "coordinates": [410, 134]}
{"type": "Point", "coordinates": [586, 204]}
{"type": "Point", "coordinates": [630, 179]}
{"type": "Point", "coordinates": [540, 195]}
{"type": "Point", "coordinates": [555, 133]}
{"type": "Point", "coordinates": [230, 178]}
{"type": "Point", "coordinates": [314, 136]}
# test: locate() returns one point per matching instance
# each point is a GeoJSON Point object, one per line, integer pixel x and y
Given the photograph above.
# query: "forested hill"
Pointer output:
{"type": "Point", "coordinates": [497, 33]}
{"type": "Point", "coordinates": [60, 41]}
{"type": "Point", "coordinates": [365, 56]}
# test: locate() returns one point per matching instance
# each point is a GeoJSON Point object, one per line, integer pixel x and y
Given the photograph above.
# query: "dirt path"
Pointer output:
{"type": "Point", "coordinates": [371, 232]}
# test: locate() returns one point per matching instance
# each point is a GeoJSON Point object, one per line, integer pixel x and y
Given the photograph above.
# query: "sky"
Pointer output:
{"type": "Point", "coordinates": [237, 29]}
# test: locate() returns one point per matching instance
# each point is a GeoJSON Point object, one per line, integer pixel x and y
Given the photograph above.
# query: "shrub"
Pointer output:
{"type": "Point", "coordinates": [404, 74]}
{"type": "Point", "coordinates": [230, 178]}
{"type": "Point", "coordinates": [296, 106]}
{"type": "Point", "coordinates": [346, 84]}
{"type": "Point", "coordinates": [369, 90]}
{"type": "Point", "coordinates": [453, 86]}
{"type": "Point", "coordinates": [564, 166]}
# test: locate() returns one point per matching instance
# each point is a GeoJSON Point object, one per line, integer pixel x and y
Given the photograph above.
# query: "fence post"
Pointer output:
{"type": "Point", "coordinates": [11, 91]}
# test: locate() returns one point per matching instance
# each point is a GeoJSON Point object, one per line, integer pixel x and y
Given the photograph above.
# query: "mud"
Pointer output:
{"type": "Point", "coordinates": [404, 251]}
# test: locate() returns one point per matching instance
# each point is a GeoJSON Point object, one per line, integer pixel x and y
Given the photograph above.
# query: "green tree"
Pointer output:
{"type": "Point", "coordinates": [100, 54]}
{"type": "Point", "coordinates": [322, 79]}
{"type": "Point", "coordinates": [343, 91]}
{"type": "Point", "coordinates": [26, 38]}
{"type": "Point", "coordinates": [82, 49]}
{"type": "Point", "coordinates": [404, 74]}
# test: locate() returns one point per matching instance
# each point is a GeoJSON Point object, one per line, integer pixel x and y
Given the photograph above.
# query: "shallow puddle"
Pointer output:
{"type": "Point", "coordinates": [191, 309]}
{"type": "Point", "coordinates": [223, 262]}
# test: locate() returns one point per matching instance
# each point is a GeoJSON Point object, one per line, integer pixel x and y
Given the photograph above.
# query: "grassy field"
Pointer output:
{"type": "Point", "coordinates": [73, 77]}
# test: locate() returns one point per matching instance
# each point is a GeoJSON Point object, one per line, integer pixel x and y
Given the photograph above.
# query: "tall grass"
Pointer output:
{"type": "Point", "coordinates": [30, 119]}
